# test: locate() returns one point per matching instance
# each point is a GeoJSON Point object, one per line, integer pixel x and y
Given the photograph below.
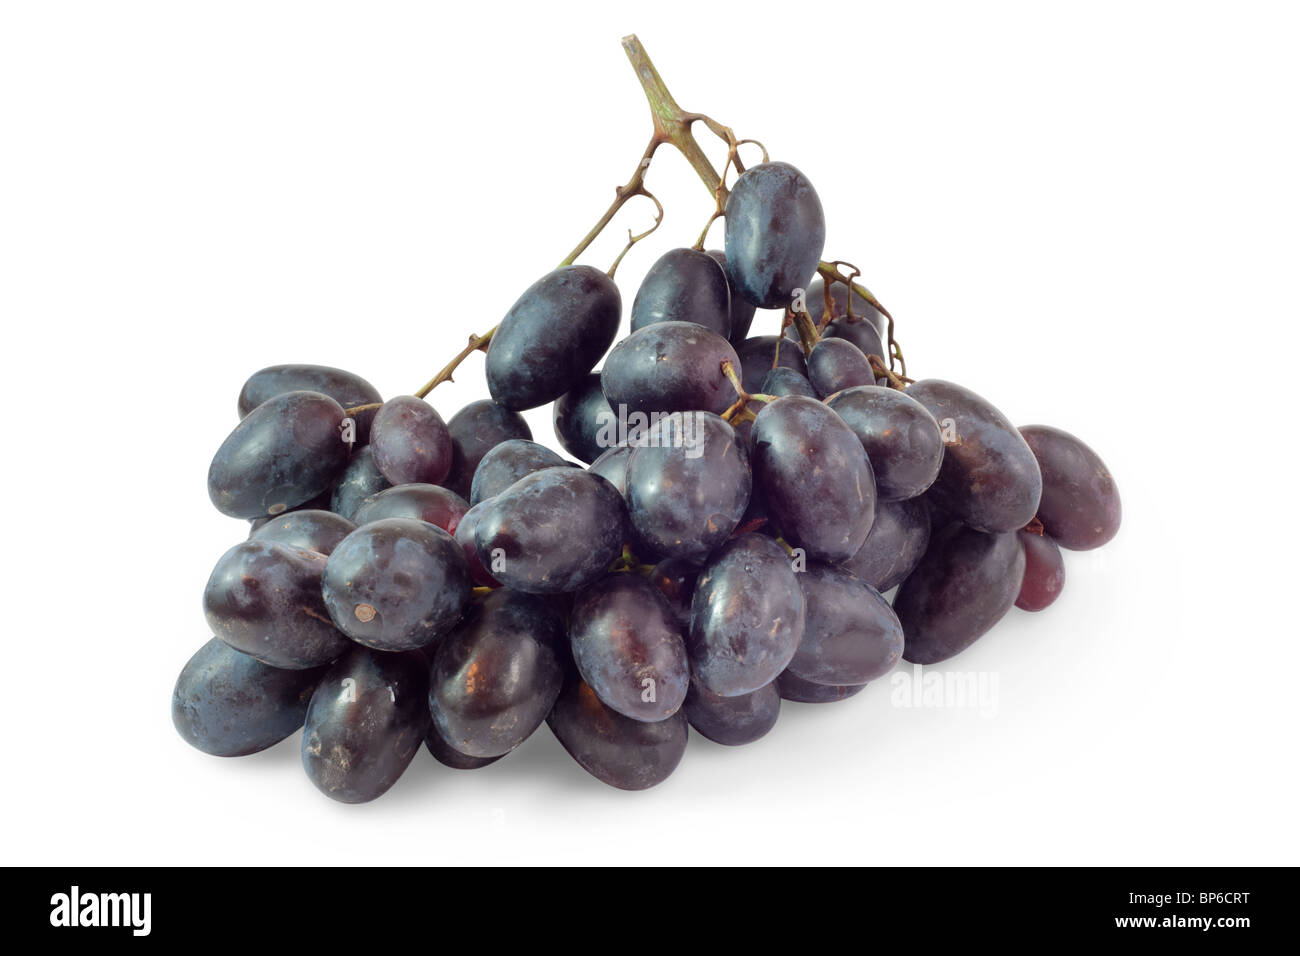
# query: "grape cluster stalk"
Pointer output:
{"type": "Point", "coordinates": [744, 521]}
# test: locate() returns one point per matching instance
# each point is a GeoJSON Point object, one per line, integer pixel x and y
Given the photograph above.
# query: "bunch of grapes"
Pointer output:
{"type": "Point", "coordinates": [744, 508]}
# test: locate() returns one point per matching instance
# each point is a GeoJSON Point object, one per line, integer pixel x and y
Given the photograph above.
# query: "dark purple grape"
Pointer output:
{"type": "Point", "coordinates": [616, 750]}
{"type": "Point", "coordinates": [762, 353]}
{"type": "Point", "coordinates": [669, 367]}
{"type": "Point", "coordinates": [901, 438]}
{"type": "Point", "coordinates": [837, 364]}
{"type": "Point", "coordinates": [628, 646]}
{"type": "Point", "coordinates": [814, 476]}
{"type": "Point", "coordinates": [732, 721]}
{"type": "Point", "coordinates": [685, 285]}
{"type": "Point", "coordinates": [553, 336]}
{"type": "Point", "coordinates": [264, 598]}
{"type": "Point", "coordinates": [410, 441]}
{"type": "Point", "coordinates": [346, 388]}
{"type": "Point", "coordinates": [475, 430]}
{"type": "Point", "coordinates": [687, 486]}
{"type": "Point", "coordinates": [863, 311]}
{"type": "Point", "coordinates": [989, 479]}
{"type": "Point", "coordinates": [464, 534]}
{"type": "Point", "coordinates": [365, 724]}
{"type": "Point", "coordinates": [583, 420]}
{"type": "Point", "coordinates": [1080, 506]}
{"type": "Point", "coordinates": [396, 584]}
{"type": "Point", "coordinates": [860, 331]}
{"type": "Point", "coordinates": [676, 579]}
{"type": "Point", "coordinates": [287, 451]}
{"type": "Point", "coordinates": [894, 546]}
{"type": "Point", "coordinates": [360, 479]}
{"type": "Point", "coordinates": [850, 634]}
{"type": "Point", "coordinates": [496, 676]}
{"type": "Point", "coordinates": [775, 234]}
{"type": "Point", "coordinates": [747, 617]}
{"type": "Point", "coordinates": [449, 756]}
{"type": "Point", "coordinates": [229, 704]}
{"type": "Point", "coordinates": [742, 312]}
{"type": "Point", "coordinates": [439, 506]}
{"type": "Point", "coordinates": [554, 531]}
{"type": "Point", "coordinates": [314, 530]}
{"type": "Point", "coordinates": [507, 463]}
{"type": "Point", "coordinates": [1044, 572]}
{"type": "Point", "coordinates": [612, 466]}
{"type": "Point", "coordinates": [801, 691]}
{"type": "Point", "coordinates": [786, 381]}
{"type": "Point", "coordinates": [965, 584]}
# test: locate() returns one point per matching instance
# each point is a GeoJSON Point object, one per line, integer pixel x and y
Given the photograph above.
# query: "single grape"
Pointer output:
{"type": "Point", "coordinates": [552, 336]}
{"type": "Point", "coordinates": [1080, 506]}
{"type": "Point", "coordinates": [676, 579]}
{"type": "Point", "coordinates": [687, 486]}
{"type": "Point", "coordinates": [747, 617]}
{"type": "Point", "coordinates": [410, 441]}
{"type": "Point", "coordinates": [475, 430]}
{"type": "Point", "coordinates": [1044, 572]}
{"type": "Point", "coordinates": [229, 704]}
{"type": "Point", "coordinates": [555, 530]}
{"type": "Point", "coordinates": [989, 479]}
{"type": "Point", "coordinates": [732, 721]}
{"type": "Point", "coordinates": [616, 750]}
{"type": "Point", "coordinates": [464, 534]}
{"type": "Point", "coordinates": [360, 479]}
{"type": "Point", "coordinates": [801, 691]}
{"type": "Point", "coordinates": [815, 478]}
{"type": "Point", "coordinates": [684, 285]}
{"type": "Point", "coordinates": [786, 381]}
{"type": "Point", "coordinates": [507, 463]}
{"type": "Point", "coordinates": [965, 584]}
{"type": "Point", "coordinates": [894, 546]}
{"type": "Point", "coordinates": [583, 420]}
{"type": "Point", "coordinates": [901, 438]}
{"type": "Point", "coordinates": [264, 598]}
{"type": "Point", "coordinates": [612, 466]}
{"type": "Point", "coordinates": [742, 312]}
{"type": "Point", "coordinates": [850, 634]}
{"type": "Point", "coordinates": [365, 724]}
{"type": "Point", "coordinates": [762, 353]}
{"type": "Point", "coordinates": [286, 451]}
{"type": "Point", "coordinates": [347, 388]}
{"type": "Point", "coordinates": [396, 584]}
{"type": "Point", "coordinates": [628, 646]}
{"type": "Point", "coordinates": [496, 676]}
{"type": "Point", "coordinates": [314, 530]}
{"type": "Point", "coordinates": [439, 506]}
{"type": "Point", "coordinates": [449, 756]}
{"type": "Point", "coordinates": [837, 364]}
{"type": "Point", "coordinates": [669, 367]}
{"type": "Point", "coordinates": [775, 234]}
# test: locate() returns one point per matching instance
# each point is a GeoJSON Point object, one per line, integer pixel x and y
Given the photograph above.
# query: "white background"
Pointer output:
{"type": "Point", "coordinates": [1088, 215]}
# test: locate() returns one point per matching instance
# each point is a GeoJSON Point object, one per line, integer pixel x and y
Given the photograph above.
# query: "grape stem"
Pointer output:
{"type": "Point", "coordinates": [897, 381]}
{"type": "Point", "coordinates": [477, 343]}
{"type": "Point", "coordinates": [738, 408]}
